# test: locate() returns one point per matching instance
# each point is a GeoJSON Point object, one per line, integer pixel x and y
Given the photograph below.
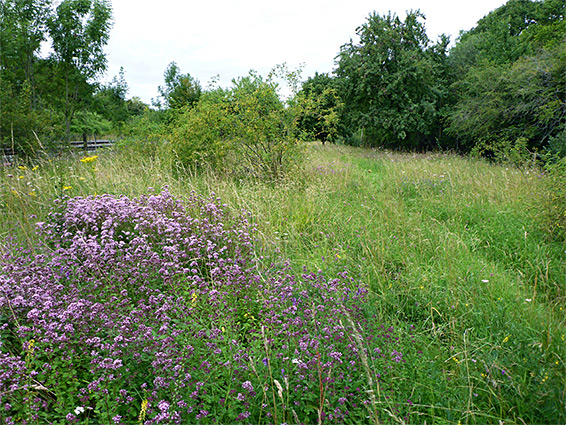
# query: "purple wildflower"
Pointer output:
{"type": "Point", "coordinates": [247, 385]}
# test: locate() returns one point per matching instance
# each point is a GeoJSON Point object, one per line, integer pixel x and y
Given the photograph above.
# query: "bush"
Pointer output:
{"type": "Point", "coordinates": [505, 152]}
{"type": "Point", "coordinates": [144, 134]}
{"type": "Point", "coordinates": [151, 310]}
{"type": "Point", "coordinates": [243, 131]}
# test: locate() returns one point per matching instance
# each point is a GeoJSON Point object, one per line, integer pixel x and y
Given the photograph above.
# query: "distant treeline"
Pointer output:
{"type": "Point", "coordinates": [503, 82]}
{"type": "Point", "coordinates": [500, 88]}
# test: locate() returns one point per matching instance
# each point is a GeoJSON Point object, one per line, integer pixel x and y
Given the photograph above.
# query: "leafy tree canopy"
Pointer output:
{"type": "Point", "coordinates": [510, 83]}
{"type": "Point", "coordinates": [391, 82]}
{"type": "Point", "coordinates": [80, 30]}
{"type": "Point", "coordinates": [320, 116]}
{"type": "Point", "coordinates": [179, 89]}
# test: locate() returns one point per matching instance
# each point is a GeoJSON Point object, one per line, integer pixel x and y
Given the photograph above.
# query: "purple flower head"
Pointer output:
{"type": "Point", "coordinates": [396, 356]}
{"type": "Point", "coordinates": [243, 416]}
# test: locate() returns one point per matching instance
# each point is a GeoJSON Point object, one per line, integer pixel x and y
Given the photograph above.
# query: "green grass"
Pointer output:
{"type": "Point", "coordinates": [448, 246]}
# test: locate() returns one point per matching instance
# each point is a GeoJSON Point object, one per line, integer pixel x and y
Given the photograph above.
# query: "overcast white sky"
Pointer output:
{"type": "Point", "coordinates": [229, 37]}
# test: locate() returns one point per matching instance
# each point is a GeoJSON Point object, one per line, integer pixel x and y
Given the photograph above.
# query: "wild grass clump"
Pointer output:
{"type": "Point", "coordinates": [152, 310]}
{"type": "Point", "coordinates": [552, 209]}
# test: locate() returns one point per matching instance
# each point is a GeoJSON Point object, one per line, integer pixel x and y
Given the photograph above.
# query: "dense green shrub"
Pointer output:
{"type": "Point", "coordinates": [392, 83]}
{"type": "Point", "coordinates": [506, 152]}
{"type": "Point", "coordinates": [321, 112]}
{"type": "Point", "coordinates": [244, 130]}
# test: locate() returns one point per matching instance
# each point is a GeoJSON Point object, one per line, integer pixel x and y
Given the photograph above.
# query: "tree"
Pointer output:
{"type": "Point", "coordinates": [391, 82]}
{"type": "Point", "coordinates": [511, 85]}
{"type": "Point", "coordinates": [110, 101]}
{"type": "Point", "coordinates": [22, 27]}
{"type": "Point", "coordinates": [79, 30]}
{"type": "Point", "coordinates": [180, 89]}
{"type": "Point", "coordinates": [321, 110]}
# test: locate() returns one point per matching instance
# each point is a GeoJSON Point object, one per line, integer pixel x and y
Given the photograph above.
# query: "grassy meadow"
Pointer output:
{"type": "Point", "coordinates": [462, 282]}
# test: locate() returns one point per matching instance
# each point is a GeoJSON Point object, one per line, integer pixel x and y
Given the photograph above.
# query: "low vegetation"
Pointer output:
{"type": "Point", "coordinates": [372, 287]}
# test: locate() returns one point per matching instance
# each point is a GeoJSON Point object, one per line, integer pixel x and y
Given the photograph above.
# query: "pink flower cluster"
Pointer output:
{"type": "Point", "coordinates": [153, 307]}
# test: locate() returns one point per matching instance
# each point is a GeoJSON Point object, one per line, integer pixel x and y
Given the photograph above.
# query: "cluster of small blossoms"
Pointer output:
{"type": "Point", "coordinates": [151, 310]}
{"type": "Point", "coordinates": [321, 337]}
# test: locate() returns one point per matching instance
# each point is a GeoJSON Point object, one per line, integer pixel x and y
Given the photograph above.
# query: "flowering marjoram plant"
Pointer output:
{"type": "Point", "coordinates": [152, 310]}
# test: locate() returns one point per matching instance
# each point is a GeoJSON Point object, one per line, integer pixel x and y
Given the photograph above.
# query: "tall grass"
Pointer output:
{"type": "Point", "coordinates": [447, 245]}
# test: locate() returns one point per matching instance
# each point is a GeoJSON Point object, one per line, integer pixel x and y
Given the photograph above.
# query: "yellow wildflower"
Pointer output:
{"type": "Point", "coordinates": [22, 167]}
{"type": "Point", "coordinates": [67, 187]}
{"type": "Point", "coordinates": [143, 411]}
{"type": "Point", "coordinates": [88, 159]}
{"type": "Point", "coordinates": [35, 168]}
{"type": "Point", "coordinates": [32, 193]}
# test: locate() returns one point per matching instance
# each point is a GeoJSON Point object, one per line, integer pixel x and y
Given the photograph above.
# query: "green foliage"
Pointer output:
{"type": "Point", "coordinates": [41, 97]}
{"type": "Point", "coordinates": [244, 130]}
{"type": "Point", "coordinates": [180, 89]}
{"type": "Point", "coordinates": [110, 102]}
{"type": "Point", "coordinates": [522, 100]}
{"type": "Point", "coordinates": [79, 30]}
{"type": "Point", "coordinates": [552, 208]}
{"type": "Point", "coordinates": [22, 26]}
{"type": "Point", "coordinates": [22, 29]}
{"type": "Point", "coordinates": [321, 111]}
{"type": "Point", "coordinates": [392, 82]}
{"type": "Point", "coordinates": [511, 77]}
{"type": "Point", "coordinates": [516, 29]}
{"type": "Point", "coordinates": [87, 122]}
{"type": "Point", "coordinates": [143, 135]}
{"type": "Point", "coordinates": [507, 153]}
